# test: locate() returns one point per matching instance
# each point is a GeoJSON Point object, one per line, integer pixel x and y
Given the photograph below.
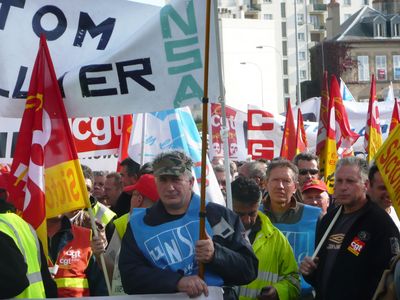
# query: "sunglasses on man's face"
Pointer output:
{"type": "Point", "coordinates": [308, 171]}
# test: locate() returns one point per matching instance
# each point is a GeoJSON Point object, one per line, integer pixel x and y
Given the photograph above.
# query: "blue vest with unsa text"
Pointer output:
{"type": "Point", "coordinates": [171, 245]}
{"type": "Point", "coordinates": [301, 236]}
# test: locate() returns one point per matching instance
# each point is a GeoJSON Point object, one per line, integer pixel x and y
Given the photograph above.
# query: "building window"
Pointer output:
{"type": "Point", "coordinates": [380, 64]}
{"type": "Point", "coordinates": [396, 29]}
{"type": "Point", "coordinates": [284, 48]}
{"type": "Point", "coordinates": [301, 36]}
{"type": "Point", "coordinates": [396, 67]}
{"type": "Point", "coordinates": [267, 1]}
{"type": "Point", "coordinates": [347, 2]}
{"type": "Point", "coordinates": [378, 30]}
{"type": "Point", "coordinates": [286, 86]}
{"type": "Point", "coordinates": [283, 10]}
{"type": "Point", "coordinates": [303, 74]}
{"type": "Point", "coordinates": [284, 34]}
{"type": "Point", "coordinates": [300, 1]}
{"type": "Point", "coordinates": [285, 67]}
{"type": "Point", "coordinates": [346, 16]}
{"type": "Point", "coordinates": [302, 55]}
{"type": "Point", "coordinates": [300, 19]}
{"type": "Point", "coordinates": [363, 68]}
{"type": "Point", "coordinates": [315, 21]}
{"type": "Point", "coordinates": [267, 16]}
{"type": "Point", "coordinates": [366, 2]}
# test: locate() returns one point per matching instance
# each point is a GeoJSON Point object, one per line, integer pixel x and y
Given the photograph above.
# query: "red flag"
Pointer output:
{"type": "Point", "coordinates": [329, 154]}
{"type": "Point", "coordinates": [125, 135]}
{"type": "Point", "coordinates": [288, 146]}
{"type": "Point", "coordinates": [46, 178]}
{"type": "Point", "coordinates": [395, 116]}
{"type": "Point", "coordinates": [323, 116]}
{"type": "Point", "coordinates": [373, 134]}
{"type": "Point", "coordinates": [345, 137]}
{"type": "Point", "coordinates": [301, 138]}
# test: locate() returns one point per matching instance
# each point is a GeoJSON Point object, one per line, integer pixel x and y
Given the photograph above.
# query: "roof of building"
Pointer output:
{"type": "Point", "coordinates": [360, 26]}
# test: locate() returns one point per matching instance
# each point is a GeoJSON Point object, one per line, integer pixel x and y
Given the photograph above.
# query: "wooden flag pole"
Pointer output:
{"type": "Point", "coordinates": [204, 130]}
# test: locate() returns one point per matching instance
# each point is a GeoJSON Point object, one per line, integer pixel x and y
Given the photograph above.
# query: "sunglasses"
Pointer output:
{"type": "Point", "coordinates": [308, 171]}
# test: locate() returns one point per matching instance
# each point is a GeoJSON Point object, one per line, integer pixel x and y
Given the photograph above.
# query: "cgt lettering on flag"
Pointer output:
{"type": "Point", "coordinates": [182, 52]}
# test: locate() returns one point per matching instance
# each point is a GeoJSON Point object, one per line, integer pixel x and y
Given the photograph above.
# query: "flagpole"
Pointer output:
{"type": "Point", "coordinates": [143, 133]}
{"type": "Point", "coordinates": [102, 261]}
{"type": "Point", "coordinates": [204, 130]}
{"type": "Point", "coordinates": [224, 129]}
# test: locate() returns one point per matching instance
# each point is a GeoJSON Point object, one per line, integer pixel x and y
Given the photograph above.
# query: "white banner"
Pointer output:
{"type": "Point", "coordinates": [111, 57]}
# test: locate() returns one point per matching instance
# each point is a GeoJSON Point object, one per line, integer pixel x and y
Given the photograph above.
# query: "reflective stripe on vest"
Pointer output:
{"type": "Point", "coordinates": [27, 242]}
{"type": "Point", "coordinates": [82, 283]}
{"type": "Point", "coordinates": [121, 223]}
{"type": "Point", "coordinates": [103, 214]}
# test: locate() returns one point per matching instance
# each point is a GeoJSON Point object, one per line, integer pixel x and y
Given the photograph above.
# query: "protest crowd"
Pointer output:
{"type": "Point", "coordinates": [302, 224]}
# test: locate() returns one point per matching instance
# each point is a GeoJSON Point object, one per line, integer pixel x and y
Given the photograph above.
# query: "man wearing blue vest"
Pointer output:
{"type": "Point", "coordinates": [161, 250]}
{"type": "Point", "coordinates": [296, 220]}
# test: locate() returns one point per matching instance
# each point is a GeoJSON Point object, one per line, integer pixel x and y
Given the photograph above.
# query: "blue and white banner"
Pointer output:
{"type": "Point", "coordinates": [169, 130]}
{"type": "Point", "coordinates": [111, 57]}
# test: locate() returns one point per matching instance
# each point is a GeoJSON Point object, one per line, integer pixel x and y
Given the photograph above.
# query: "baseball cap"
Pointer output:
{"type": "Point", "coordinates": [173, 163]}
{"type": "Point", "coordinates": [315, 184]}
{"type": "Point", "coordinates": [146, 186]}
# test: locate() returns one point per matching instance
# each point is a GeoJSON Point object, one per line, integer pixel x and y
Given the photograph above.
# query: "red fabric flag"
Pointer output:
{"type": "Point", "coordinates": [395, 116]}
{"type": "Point", "coordinates": [288, 146]}
{"type": "Point", "coordinates": [373, 134]}
{"type": "Point", "coordinates": [127, 121]}
{"type": "Point", "coordinates": [323, 116]}
{"type": "Point", "coordinates": [301, 138]}
{"type": "Point", "coordinates": [345, 137]}
{"type": "Point", "coordinates": [46, 178]}
{"type": "Point", "coordinates": [329, 154]}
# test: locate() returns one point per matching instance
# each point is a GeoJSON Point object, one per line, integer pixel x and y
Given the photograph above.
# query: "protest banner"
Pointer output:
{"type": "Point", "coordinates": [111, 57]}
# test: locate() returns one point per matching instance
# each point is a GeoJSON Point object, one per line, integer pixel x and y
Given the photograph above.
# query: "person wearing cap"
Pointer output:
{"type": "Point", "coordinates": [161, 250]}
{"type": "Point", "coordinates": [315, 193]}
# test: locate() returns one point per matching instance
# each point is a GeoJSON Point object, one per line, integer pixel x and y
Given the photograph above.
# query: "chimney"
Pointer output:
{"type": "Point", "coordinates": [333, 20]}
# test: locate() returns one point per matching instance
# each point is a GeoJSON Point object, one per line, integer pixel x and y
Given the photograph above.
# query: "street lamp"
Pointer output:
{"type": "Point", "coordinates": [261, 77]}
{"type": "Point", "coordinates": [272, 47]}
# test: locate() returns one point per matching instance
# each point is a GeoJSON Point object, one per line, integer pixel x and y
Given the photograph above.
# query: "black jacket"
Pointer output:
{"type": "Point", "coordinates": [352, 276]}
{"type": "Point", "coordinates": [234, 259]}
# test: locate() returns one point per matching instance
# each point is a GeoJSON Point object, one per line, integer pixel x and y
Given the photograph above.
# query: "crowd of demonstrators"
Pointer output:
{"type": "Point", "coordinates": [279, 209]}
{"type": "Point", "coordinates": [360, 244]}
{"type": "Point", "coordinates": [296, 220]}
{"type": "Point", "coordinates": [278, 276]}
{"type": "Point", "coordinates": [148, 263]}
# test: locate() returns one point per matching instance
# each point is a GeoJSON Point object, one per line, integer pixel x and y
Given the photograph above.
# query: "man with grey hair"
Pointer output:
{"type": "Point", "coordinates": [161, 250]}
{"type": "Point", "coordinates": [360, 244]}
{"type": "Point", "coordinates": [296, 220]}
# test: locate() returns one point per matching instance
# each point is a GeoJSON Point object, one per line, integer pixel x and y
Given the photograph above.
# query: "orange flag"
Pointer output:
{"type": "Point", "coordinates": [346, 137]}
{"type": "Point", "coordinates": [329, 153]}
{"type": "Point", "coordinates": [125, 135]}
{"type": "Point", "coordinates": [46, 178]}
{"type": "Point", "coordinates": [301, 138]}
{"type": "Point", "coordinates": [288, 146]}
{"type": "Point", "coordinates": [373, 134]}
{"type": "Point", "coordinates": [323, 116]}
{"type": "Point", "coordinates": [395, 116]}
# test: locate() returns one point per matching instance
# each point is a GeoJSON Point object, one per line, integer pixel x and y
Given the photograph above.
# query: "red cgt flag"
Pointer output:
{"type": "Point", "coordinates": [345, 136]}
{"type": "Point", "coordinates": [373, 134]}
{"type": "Point", "coordinates": [288, 146]}
{"type": "Point", "coordinates": [301, 138]}
{"type": "Point", "coordinates": [46, 179]}
{"type": "Point", "coordinates": [323, 116]}
{"type": "Point", "coordinates": [127, 121]}
{"type": "Point", "coordinates": [395, 116]}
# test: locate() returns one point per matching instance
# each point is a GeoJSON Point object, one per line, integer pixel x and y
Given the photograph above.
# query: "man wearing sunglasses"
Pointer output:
{"type": "Point", "coordinates": [307, 163]}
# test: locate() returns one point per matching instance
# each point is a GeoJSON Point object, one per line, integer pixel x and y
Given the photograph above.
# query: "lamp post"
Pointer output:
{"type": "Point", "coordinates": [261, 77]}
